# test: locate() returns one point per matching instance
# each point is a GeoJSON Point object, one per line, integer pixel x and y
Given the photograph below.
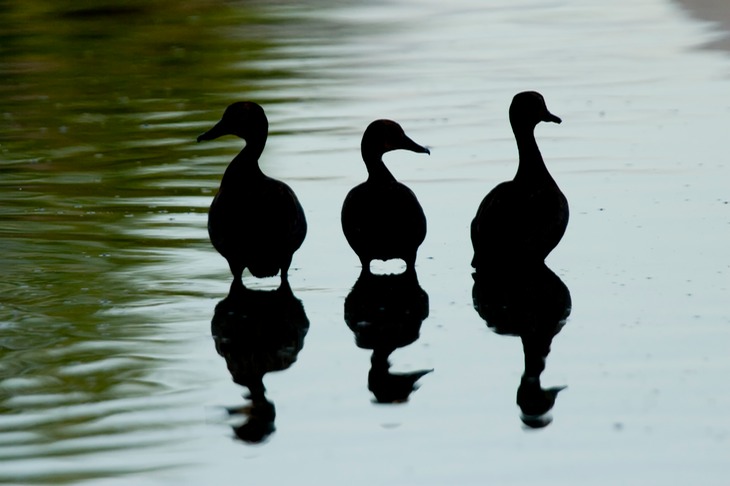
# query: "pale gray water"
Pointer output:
{"type": "Point", "coordinates": [108, 369]}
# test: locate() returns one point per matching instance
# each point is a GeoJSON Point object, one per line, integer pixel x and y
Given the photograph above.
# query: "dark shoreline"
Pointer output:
{"type": "Point", "coordinates": [716, 12]}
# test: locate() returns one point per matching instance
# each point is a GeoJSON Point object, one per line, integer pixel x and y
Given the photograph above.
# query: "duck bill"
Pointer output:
{"type": "Point", "coordinates": [217, 131]}
{"type": "Point", "coordinates": [409, 144]}
{"type": "Point", "coordinates": [552, 118]}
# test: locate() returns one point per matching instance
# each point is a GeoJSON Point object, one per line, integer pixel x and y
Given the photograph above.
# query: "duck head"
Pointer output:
{"type": "Point", "coordinates": [382, 136]}
{"type": "Point", "coordinates": [245, 119]}
{"type": "Point", "coordinates": [528, 109]}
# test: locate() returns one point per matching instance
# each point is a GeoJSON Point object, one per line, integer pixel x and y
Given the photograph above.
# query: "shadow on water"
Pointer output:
{"type": "Point", "coordinates": [257, 332]}
{"type": "Point", "coordinates": [531, 302]}
{"type": "Point", "coordinates": [385, 312]}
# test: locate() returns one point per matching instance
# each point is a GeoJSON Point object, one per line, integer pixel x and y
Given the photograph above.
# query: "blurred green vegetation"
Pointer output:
{"type": "Point", "coordinates": [97, 113]}
{"type": "Point", "coordinates": [99, 196]}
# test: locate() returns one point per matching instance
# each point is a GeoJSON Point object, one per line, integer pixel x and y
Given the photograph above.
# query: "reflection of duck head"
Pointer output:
{"type": "Point", "coordinates": [536, 402]}
{"type": "Point", "coordinates": [389, 387]}
{"type": "Point", "coordinates": [385, 312]}
{"type": "Point", "coordinates": [533, 303]}
{"type": "Point", "coordinates": [260, 415]}
{"type": "Point", "coordinates": [258, 331]}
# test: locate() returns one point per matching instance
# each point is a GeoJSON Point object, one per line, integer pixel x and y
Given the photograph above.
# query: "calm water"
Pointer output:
{"type": "Point", "coordinates": [109, 373]}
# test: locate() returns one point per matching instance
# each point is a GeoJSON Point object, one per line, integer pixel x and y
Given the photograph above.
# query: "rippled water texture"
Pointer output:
{"type": "Point", "coordinates": [116, 367]}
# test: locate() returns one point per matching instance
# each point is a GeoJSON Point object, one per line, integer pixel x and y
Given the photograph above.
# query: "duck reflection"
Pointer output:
{"type": "Point", "coordinates": [258, 331]}
{"type": "Point", "coordinates": [533, 303]}
{"type": "Point", "coordinates": [385, 312]}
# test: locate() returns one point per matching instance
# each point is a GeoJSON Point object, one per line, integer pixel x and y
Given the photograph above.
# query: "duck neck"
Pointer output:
{"type": "Point", "coordinates": [377, 171]}
{"type": "Point", "coordinates": [531, 166]}
{"type": "Point", "coordinates": [246, 163]}
{"type": "Point", "coordinates": [536, 349]}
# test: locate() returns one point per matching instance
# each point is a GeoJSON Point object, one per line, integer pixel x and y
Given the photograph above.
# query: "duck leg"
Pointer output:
{"type": "Point", "coordinates": [236, 269]}
{"type": "Point", "coordinates": [410, 262]}
{"type": "Point", "coordinates": [365, 264]}
{"type": "Point", "coordinates": [285, 269]}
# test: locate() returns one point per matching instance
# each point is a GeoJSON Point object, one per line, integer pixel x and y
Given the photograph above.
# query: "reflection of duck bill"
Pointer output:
{"type": "Point", "coordinates": [262, 409]}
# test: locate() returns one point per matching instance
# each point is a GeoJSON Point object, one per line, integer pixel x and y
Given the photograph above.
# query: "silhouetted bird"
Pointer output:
{"type": "Point", "coordinates": [255, 222]}
{"type": "Point", "coordinates": [257, 332]}
{"type": "Point", "coordinates": [521, 220]}
{"type": "Point", "coordinates": [381, 218]}
{"type": "Point", "coordinates": [385, 312]}
{"type": "Point", "coordinates": [533, 303]}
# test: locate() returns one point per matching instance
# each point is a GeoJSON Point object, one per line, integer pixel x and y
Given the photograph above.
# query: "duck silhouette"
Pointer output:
{"type": "Point", "coordinates": [525, 218]}
{"type": "Point", "coordinates": [254, 222]}
{"type": "Point", "coordinates": [382, 218]}
{"type": "Point", "coordinates": [257, 332]}
{"type": "Point", "coordinates": [533, 303]}
{"type": "Point", "coordinates": [385, 313]}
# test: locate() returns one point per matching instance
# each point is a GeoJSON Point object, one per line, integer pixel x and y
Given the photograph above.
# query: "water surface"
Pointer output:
{"type": "Point", "coordinates": [109, 372]}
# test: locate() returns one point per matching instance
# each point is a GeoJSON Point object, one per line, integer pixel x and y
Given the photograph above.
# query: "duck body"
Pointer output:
{"type": "Point", "coordinates": [522, 220]}
{"type": "Point", "coordinates": [254, 221]}
{"type": "Point", "coordinates": [382, 218]}
{"type": "Point", "coordinates": [519, 220]}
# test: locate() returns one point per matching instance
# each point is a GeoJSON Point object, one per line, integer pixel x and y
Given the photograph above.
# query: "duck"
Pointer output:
{"type": "Point", "coordinates": [533, 303]}
{"type": "Point", "coordinates": [258, 332]}
{"type": "Point", "coordinates": [385, 313]}
{"type": "Point", "coordinates": [255, 222]}
{"type": "Point", "coordinates": [522, 220]}
{"type": "Point", "coordinates": [381, 217]}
